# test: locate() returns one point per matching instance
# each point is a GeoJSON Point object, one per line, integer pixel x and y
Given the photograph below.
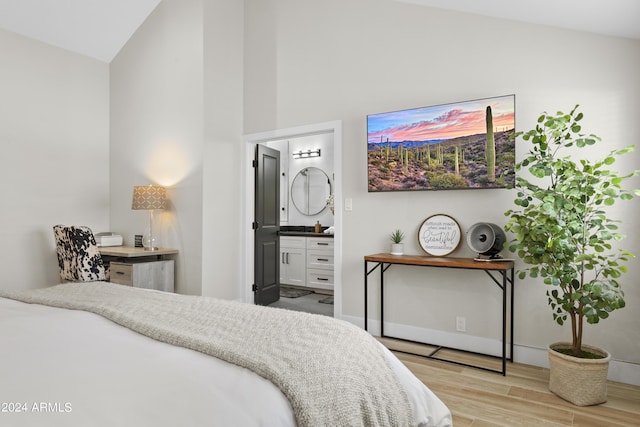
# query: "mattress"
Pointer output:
{"type": "Point", "coordinates": [64, 367]}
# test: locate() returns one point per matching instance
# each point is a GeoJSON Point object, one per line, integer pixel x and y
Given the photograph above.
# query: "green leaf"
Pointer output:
{"type": "Point", "coordinates": [563, 229]}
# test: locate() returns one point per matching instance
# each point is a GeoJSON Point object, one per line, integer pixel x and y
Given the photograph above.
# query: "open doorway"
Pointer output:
{"type": "Point", "coordinates": [294, 214]}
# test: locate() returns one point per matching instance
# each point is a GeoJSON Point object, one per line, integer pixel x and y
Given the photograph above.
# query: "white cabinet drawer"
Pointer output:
{"type": "Point", "coordinates": [320, 243]}
{"type": "Point", "coordinates": [320, 260]}
{"type": "Point", "coordinates": [321, 279]}
{"type": "Point", "coordinates": [292, 242]}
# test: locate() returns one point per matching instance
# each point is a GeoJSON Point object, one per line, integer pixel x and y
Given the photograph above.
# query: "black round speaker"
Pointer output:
{"type": "Point", "coordinates": [486, 239]}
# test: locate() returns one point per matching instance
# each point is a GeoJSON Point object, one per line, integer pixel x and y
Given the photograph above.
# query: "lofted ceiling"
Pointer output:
{"type": "Point", "coordinates": [620, 18]}
{"type": "Point", "coordinates": [95, 28]}
{"type": "Point", "coordinates": [99, 28]}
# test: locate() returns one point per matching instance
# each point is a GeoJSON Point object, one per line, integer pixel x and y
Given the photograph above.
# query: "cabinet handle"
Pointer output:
{"type": "Point", "coordinates": [120, 272]}
{"type": "Point", "coordinates": [322, 279]}
{"type": "Point", "coordinates": [323, 259]}
{"type": "Point", "coordinates": [287, 257]}
{"type": "Point", "coordinates": [322, 244]}
{"type": "Point", "coordinates": [282, 258]}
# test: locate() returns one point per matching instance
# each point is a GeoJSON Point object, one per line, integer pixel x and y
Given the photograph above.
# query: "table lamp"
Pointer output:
{"type": "Point", "coordinates": [149, 197]}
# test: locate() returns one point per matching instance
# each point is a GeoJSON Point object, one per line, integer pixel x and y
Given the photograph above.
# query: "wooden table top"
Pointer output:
{"type": "Point", "coordinates": [432, 261]}
{"type": "Point", "coordinates": [133, 252]}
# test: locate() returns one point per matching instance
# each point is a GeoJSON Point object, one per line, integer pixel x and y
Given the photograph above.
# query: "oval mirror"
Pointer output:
{"type": "Point", "coordinates": [310, 190]}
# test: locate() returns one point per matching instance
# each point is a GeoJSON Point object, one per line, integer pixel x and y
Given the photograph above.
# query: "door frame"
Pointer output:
{"type": "Point", "coordinates": [247, 246]}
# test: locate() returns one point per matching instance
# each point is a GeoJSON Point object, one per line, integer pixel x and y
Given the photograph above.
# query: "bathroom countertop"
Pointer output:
{"type": "Point", "coordinates": [302, 230]}
{"type": "Point", "coordinates": [304, 234]}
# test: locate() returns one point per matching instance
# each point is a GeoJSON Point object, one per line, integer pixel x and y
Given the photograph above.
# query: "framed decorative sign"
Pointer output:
{"type": "Point", "coordinates": [439, 235]}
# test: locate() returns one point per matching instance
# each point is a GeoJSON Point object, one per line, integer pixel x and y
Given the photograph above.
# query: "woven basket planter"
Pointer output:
{"type": "Point", "coordinates": [582, 382]}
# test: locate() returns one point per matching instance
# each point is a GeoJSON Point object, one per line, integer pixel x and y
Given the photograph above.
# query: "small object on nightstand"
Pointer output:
{"type": "Point", "coordinates": [318, 227]}
{"type": "Point", "coordinates": [138, 240]}
{"type": "Point", "coordinates": [108, 239]}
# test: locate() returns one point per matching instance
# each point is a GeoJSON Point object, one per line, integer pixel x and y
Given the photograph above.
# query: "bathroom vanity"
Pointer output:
{"type": "Point", "coordinates": [306, 258]}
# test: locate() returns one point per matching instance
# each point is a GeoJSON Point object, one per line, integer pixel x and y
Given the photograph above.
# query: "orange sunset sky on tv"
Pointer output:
{"type": "Point", "coordinates": [441, 122]}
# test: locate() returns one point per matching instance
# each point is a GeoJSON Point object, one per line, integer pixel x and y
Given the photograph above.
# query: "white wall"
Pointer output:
{"type": "Point", "coordinates": [176, 120]}
{"type": "Point", "coordinates": [223, 103]}
{"type": "Point", "coordinates": [344, 60]}
{"type": "Point", "coordinates": [157, 132]}
{"type": "Point", "coordinates": [54, 133]}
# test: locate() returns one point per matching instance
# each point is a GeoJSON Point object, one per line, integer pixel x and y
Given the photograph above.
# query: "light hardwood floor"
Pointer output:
{"type": "Point", "coordinates": [521, 398]}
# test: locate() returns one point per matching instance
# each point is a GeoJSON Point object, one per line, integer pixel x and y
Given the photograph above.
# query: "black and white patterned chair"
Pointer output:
{"type": "Point", "coordinates": [78, 256]}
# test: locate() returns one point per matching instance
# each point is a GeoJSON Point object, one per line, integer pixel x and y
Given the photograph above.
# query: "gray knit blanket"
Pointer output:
{"type": "Point", "coordinates": [333, 373]}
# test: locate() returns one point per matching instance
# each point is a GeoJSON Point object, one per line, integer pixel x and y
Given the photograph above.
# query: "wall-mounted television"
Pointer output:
{"type": "Point", "coordinates": [464, 145]}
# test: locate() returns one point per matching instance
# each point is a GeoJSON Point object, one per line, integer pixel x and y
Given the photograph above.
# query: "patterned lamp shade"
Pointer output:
{"type": "Point", "coordinates": [149, 197]}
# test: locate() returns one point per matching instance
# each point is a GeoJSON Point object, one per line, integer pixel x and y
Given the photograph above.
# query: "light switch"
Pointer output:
{"type": "Point", "coordinates": [348, 204]}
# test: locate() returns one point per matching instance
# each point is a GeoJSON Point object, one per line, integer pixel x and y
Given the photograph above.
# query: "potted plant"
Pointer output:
{"type": "Point", "coordinates": [562, 230]}
{"type": "Point", "coordinates": [397, 248]}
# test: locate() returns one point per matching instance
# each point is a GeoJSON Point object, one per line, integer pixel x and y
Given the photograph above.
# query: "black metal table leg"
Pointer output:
{"type": "Point", "coordinates": [366, 285]}
{"type": "Point", "coordinates": [382, 300]}
{"type": "Point", "coordinates": [505, 268]}
{"type": "Point", "coordinates": [504, 323]}
{"type": "Point", "coordinates": [511, 322]}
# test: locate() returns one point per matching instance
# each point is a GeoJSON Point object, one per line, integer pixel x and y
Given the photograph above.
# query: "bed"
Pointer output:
{"type": "Point", "coordinates": [102, 354]}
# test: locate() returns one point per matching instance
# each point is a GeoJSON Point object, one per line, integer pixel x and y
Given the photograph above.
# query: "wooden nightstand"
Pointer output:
{"type": "Point", "coordinates": [139, 268]}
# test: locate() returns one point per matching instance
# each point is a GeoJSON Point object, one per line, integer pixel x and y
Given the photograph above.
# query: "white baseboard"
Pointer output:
{"type": "Point", "coordinates": [620, 371]}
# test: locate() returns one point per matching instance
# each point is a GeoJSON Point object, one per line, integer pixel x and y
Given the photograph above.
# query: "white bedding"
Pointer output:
{"type": "Point", "coordinates": [73, 368]}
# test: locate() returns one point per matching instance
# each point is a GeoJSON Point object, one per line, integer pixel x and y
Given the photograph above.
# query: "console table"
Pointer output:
{"type": "Point", "coordinates": [140, 268]}
{"type": "Point", "coordinates": [501, 272]}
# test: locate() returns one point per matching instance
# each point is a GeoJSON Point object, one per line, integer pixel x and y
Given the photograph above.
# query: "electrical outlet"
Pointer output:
{"type": "Point", "coordinates": [461, 324]}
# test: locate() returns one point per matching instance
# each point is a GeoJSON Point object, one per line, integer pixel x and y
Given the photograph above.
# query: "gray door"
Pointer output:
{"type": "Point", "coordinates": [266, 226]}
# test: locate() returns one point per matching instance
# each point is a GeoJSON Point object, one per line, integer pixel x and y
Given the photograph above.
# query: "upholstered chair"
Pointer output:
{"type": "Point", "coordinates": [78, 256]}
